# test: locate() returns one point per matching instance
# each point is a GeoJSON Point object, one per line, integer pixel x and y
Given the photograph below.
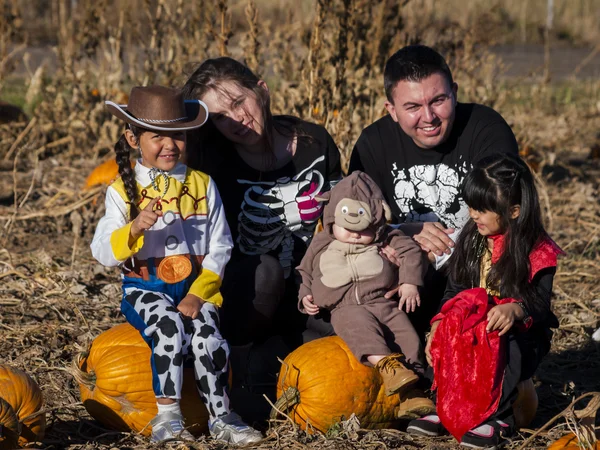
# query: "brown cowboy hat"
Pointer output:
{"type": "Point", "coordinates": [160, 108]}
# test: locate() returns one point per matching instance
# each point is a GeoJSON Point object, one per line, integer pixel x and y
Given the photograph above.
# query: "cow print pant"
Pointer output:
{"type": "Point", "coordinates": [174, 338]}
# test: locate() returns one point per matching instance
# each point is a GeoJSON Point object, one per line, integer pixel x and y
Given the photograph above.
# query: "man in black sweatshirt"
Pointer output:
{"type": "Point", "coordinates": [421, 151]}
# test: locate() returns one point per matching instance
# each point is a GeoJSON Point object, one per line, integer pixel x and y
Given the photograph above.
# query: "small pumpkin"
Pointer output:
{"type": "Point", "coordinates": [526, 404]}
{"type": "Point", "coordinates": [571, 442]}
{"type": "Point", "coordinates": [10, 428]}
{"type": "Point", "coordinates": [321, 383]}
{"type": "Point", "coordinates": [20, 399]}
{"type": "Point", "coordinates": [115, 382]}
{"type": "Point", "coordinates": [105, 173]}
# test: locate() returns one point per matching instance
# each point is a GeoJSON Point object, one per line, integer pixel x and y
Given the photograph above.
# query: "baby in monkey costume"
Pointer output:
{"type": "Point", "coordinates": [344, 272]}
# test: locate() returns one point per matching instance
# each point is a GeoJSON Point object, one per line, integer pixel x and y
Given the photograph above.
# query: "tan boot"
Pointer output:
{"type": "Point", "coordinates": [395, 376]}
{"type": "Point", "coordinates": [414, 404]}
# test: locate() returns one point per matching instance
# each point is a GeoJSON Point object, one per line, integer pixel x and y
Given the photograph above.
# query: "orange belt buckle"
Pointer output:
{"type": "Point", "coordinates": [174, 269]}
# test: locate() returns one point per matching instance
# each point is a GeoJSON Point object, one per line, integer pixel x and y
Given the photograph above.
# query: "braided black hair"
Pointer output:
{"type": "Point", "coordinates": [122, 152]}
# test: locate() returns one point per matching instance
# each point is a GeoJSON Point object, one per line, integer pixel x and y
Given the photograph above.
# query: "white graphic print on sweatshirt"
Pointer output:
{"type": "Point", "coordinates": [430, 193]}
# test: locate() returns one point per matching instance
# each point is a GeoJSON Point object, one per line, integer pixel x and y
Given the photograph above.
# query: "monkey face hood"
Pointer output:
{"type": "Point", "coordinates": [356, 203]}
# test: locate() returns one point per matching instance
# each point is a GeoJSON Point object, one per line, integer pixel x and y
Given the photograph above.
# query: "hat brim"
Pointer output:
{"type": "Point", "coordinates": [196, 112]}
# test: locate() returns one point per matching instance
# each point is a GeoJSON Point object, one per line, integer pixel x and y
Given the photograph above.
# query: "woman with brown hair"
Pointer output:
{"type": "Point", "coordinates": [270, 171]}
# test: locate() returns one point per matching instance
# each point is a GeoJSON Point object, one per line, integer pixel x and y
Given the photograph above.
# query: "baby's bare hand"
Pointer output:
{"type": "Point", "coordinates": [409, 297]}
{"type": "Point", "coordinates": [309, 305]}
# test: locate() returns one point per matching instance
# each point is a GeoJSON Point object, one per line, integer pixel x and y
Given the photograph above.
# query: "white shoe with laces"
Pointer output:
{"type": "Point", "coordinates": [232, 429]}
{"type": "Point", "coordinates": [169, 426]}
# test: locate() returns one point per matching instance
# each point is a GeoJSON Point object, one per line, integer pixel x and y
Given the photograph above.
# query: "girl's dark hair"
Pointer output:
{"type": "Point", "coordinates": [498, 183]}
{"type": "Point", "coordinates": [209, 76]}
{"type": "Point", "coordinates": [122, 151]}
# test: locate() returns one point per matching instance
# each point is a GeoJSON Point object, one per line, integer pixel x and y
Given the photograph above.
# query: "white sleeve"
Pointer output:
{"type": "Point", "coordinates": [115, 217]}
{"type": "Point", "coordinates": [220, 243]}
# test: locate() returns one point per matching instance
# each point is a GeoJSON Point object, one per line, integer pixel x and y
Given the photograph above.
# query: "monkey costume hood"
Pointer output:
{"type": "Point", "coordinates": [338, 273]}
{"type": "Point", "coordinates": [356, 203]}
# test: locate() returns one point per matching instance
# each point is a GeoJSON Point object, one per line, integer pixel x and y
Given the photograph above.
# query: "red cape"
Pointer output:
{"type": "Point", "coordinates": [468, 362]}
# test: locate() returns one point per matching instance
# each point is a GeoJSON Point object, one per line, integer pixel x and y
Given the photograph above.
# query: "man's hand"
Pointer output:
{"type": "Point", "coordinates": [434, 326]}
{"type": "Point", "coordinates": [409, 295]}
{"type": "Point", "coordinates": [309, 305]}
{"type": "Point", "coordinates": [431, 236]}
{"type": "Point", "coordinates": [145, 219]}
{"type": "Point", "coordinates": [190, 306]}
{"type": "Point", "coordinates": [502, 317]}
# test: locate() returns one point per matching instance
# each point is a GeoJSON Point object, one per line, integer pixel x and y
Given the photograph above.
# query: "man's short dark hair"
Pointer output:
{"type": "Point", "coordinates": [413, 63]}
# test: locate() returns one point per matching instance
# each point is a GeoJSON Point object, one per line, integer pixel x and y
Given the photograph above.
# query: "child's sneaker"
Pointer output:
{"type": "Point", "coordinates": [414, 404]}
{"type": "Point", "coordinates": [231, 429]}
{"type": "Point", "coordinates": [430, 425]}
{"type": "Point", "coordinates": [169, 426]}
{"type": "Point", "coordinates": [491, 435]}
{"type": "Point", "coordinates": [395, 376]}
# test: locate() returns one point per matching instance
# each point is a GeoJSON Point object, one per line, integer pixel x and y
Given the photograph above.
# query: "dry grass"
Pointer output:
{"type": "Point", "coordinates": [504, 21]}
{"type": "Point", "coordinates": [325, 66]}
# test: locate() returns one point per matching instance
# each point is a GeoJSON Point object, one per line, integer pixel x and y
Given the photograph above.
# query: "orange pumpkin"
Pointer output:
{"type": "Point", "coordinates": [525, 406]}
{"type": "Point", "coordinates": [10, 428]}
{"type": "Point", "coordinates": [20, 399]}
{"type": "Point", "coordinates": [105, 173]}
{"type": "Point", "coordinates": [324, 383]}
{"type": "Point", "coordinates": [571, 442]}
{"type": "Point", "coordinates": [115, 381]}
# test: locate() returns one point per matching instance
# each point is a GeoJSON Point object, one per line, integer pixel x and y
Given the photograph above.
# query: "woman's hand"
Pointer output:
{"type": "Point", "coordinates": [145, 219]}
{"type": "Point", "coordinates": [190, 306]}
{"type": "Point", "coordinates": [309, 305]}
{"type": "Point", "coordinates": [502, 317]}
{"type": "Point", "coordinates": [409, 295]}
{"type": "Point", "coordinates": [434, 326]}
{"type": "Point", "coordinates": [388, 252]}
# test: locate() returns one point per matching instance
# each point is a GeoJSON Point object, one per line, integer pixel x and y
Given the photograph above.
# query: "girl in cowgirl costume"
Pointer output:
{"type": "Point", "coordinates": [165, 227]}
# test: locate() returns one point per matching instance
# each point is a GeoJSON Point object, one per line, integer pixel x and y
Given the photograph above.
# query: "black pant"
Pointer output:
{"type": "Point", "coordinates": [258, 302]}
{"type": "Point", "coordinates": [524, 353]}
{"type": "Point", "coordinates": [253, 288]}
{"type": "Point", "coordinates": [260, 307]}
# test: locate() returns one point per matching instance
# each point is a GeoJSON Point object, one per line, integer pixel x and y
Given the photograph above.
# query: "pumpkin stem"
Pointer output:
{"type": "Point", "coordinates": [88, 379]}
{"type": "Point", "coordinates": [289, 398]}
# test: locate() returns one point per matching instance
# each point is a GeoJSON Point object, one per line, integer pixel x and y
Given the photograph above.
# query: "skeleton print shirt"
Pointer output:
{"type": "Point", "coordinates": [275, 212]}
{"type": "Point", "coordinates": [423, 185]}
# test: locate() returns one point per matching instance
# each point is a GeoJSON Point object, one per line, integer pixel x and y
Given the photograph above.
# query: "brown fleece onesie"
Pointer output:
{"type": "Point", "coordinates": [351, 279]}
